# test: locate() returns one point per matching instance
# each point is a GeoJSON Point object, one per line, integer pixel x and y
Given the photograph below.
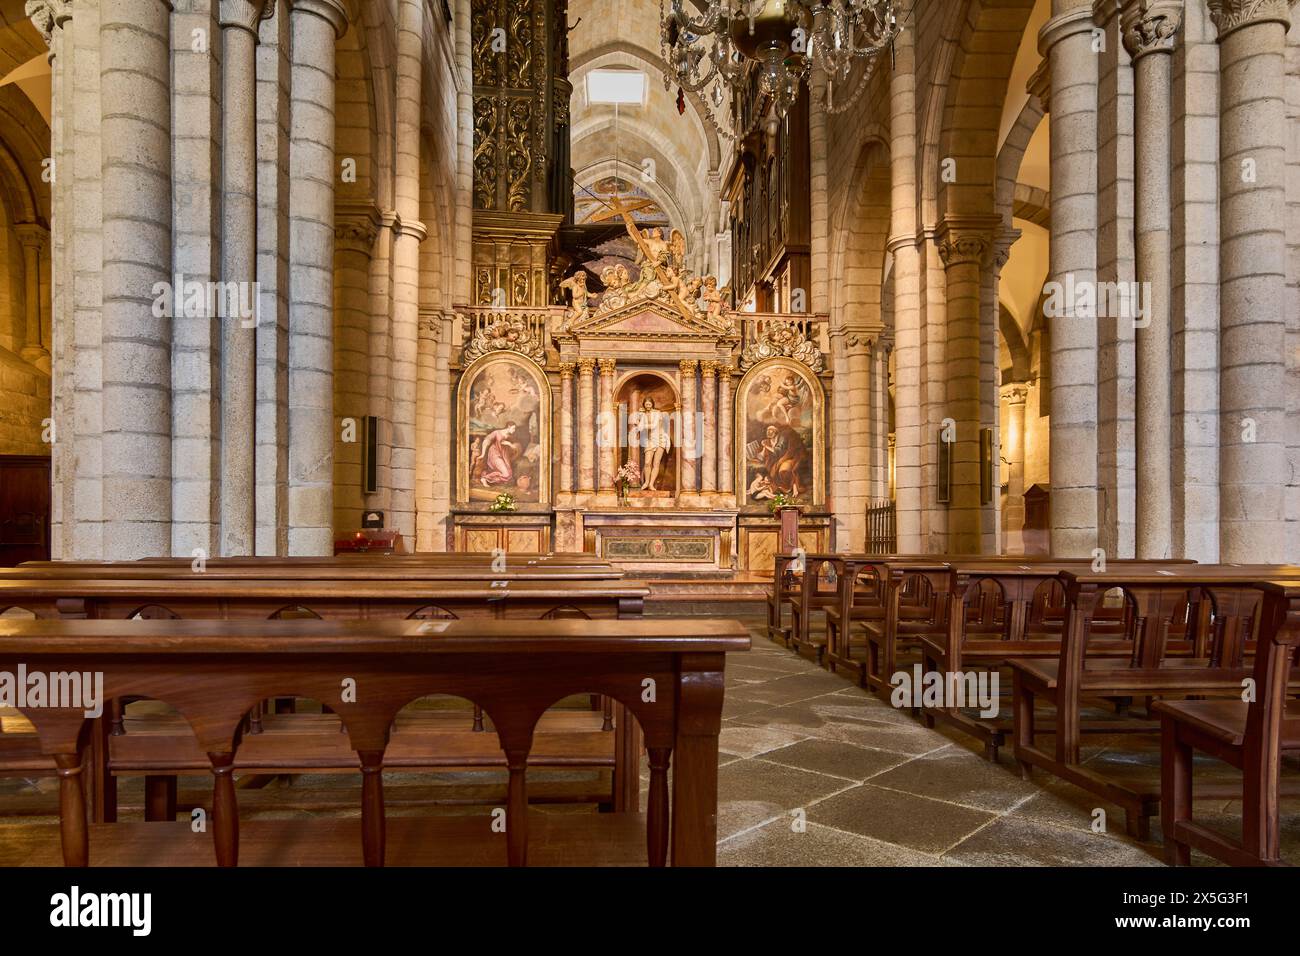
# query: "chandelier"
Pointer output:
{"type": "Point", "coordinates": [710, 54]}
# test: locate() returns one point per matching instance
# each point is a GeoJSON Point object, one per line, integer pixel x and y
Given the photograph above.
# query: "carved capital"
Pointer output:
{"type": "Point", "coordinates": [244, 14]}
{"type": "Point", "coordinates": [1016, 393]}
{"type": "Point", "coordinates": [1150, 26]}
{"type": "Point", "coordinates": [708, 368]}
{"type": "Point", "coordinates": [356, 229]}
{"type": "Point", "coordinates": [48, 14]}
{"type": "Point", "coordinates": [586, 366]}
{"type": "Point", "coordinates": [32, 235]}
{"type": "Point", "coordinates": [1230, 15]}
{"type": "Point", "coordinates": [430, 324]}
{"type": "Point", "coordinates": [958, 249]}
{"type": "Point", "coordinates": [687, 366]}
{"type": "Point", "coordinates": [607, 366]}
{"type": "Point", "coordinates": [1040, 85]}
{"type": "Point", "coordinates": [566, 371]}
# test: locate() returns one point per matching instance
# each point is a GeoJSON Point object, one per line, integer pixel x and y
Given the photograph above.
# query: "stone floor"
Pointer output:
{"type": "Point", "coordinates": [813, 771]}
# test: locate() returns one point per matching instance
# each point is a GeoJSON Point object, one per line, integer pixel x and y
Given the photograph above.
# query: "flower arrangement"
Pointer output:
{"type": "Point", "coordinates": [628, 477]}
{"type": "Point", "coordinates": [504, 502]}
{"type": "Point", "coordinates": [780, 500]}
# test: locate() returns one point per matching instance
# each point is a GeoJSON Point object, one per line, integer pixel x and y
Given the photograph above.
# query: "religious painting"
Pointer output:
{"type": "Point", "coordinates": [504, 446]}
{"type": "Point", "coordinates": [648, 459]}
{"type": "Point", "coordinates": [779, 419]}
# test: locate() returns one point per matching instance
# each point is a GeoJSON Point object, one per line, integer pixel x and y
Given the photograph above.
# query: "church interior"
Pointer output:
{"type": "Point", "coordinates": [800, 433]}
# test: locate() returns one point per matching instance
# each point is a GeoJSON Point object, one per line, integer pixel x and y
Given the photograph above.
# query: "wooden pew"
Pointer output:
{"type": "Point", "coordinates": [214, 672]}
{"type": "Point", "coordinates": [178, 593]}
{"type": "Point", "coordinates": [1149, 671]}
{"type": "Point", "coordinates": [1003, 610]}
{"type": "Point", "coordinates": [1249, 736]}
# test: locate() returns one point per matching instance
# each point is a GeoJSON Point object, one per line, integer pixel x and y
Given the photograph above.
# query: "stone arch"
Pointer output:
{"type": "Point", "coordinates": [356, 127]}
{"type": "Point", "coordinates": [1011, 155]}
{"type": "Point", "coordinates": [861, 234]}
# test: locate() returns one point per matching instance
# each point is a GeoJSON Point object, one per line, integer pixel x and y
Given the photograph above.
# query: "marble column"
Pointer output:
{"type": "Point", "coordinates": [726, 431]}
{"type": "Point", "coordinates": [607, 427]}
{"type": "Point", "coordinates": [964, 247]}
{"type": "Point", "coordinates": [136, 150]}
{"type": "Point", "coordinates": [33, 237]}
{"type": "Point", "coordinates": [709, 395]}
{"type": "Point", "coordinates": [908, 404]}
{"type": "Point", "coordinates": [586, 428]}
{"type": "Point", "coordinates": [1066, 40]}
{"type": "Point", "coordinates": [315, 25]}
{"type": "Point", "coordinates": [1253, 131]}
{"type": "Point", "coordinates": [1149, 29]}
{"type": "Point", "coordinates": [566, 427]}
{"type": "Point", "coordinates": [238, 20]}
{"type": "Point", "coordinates": [1013, 522]}
{"type": "Point", "coordinates": [688, 442]}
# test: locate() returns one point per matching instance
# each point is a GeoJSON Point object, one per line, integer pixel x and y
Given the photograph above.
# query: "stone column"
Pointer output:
{"type": "Point", "coordinates": [239, 20]}
{"type": "Point", "coordinates": [607, 427]}
{"type": "Point", "coordinates": [709, 386]}
{"type": "Point", "coordinates": [355, 229]}
{"type": "Point", "coordinates": [853, 519]}
{"type": "Point", "coordinates": [726, 432]}
{"type": "Point", "coordinates": [586, 428]}
{"type": "Point", "coordinates": [33, 237]}
{"type": "Point", "coordinates": [1253, 133]}
{"type": "Point", "coordinates": [315, 26]}
{"type": "Point", "coordinates": [405, 472]}
{"type": "Point", "coordinates": [1066, 41]}
{"type": "Point", "coordinates": [688, 441]}
{"type": "Point", "coordinates": [963, 246]}
{"type": "Point", "coordinates": [1013, 521]}
{"type": "Point", "coordinates": [380, 377]}
{"type": "Point", "coordinates": [1149, 29]}
{"type": "Point", "coordinates": [136, 149]}
{"type": "Point", "coordinates": [566, 427]}
{"type": "Point", "coordinates": [908, 402]}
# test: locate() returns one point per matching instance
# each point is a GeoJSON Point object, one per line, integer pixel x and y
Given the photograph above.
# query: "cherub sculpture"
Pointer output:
{"type": "Point", "coordinates": [576, 286]}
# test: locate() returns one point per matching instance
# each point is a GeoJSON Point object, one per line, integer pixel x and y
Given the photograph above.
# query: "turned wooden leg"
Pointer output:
{"type": "Point", "coordinates": [373, 824]}
{"type": "Point", "coordinates": [160, 798]}
{"type": "Point", "coordinates": [657, 812]}
{"type": "Point", "coordinates": [517, 809]}
{"type": "Point", "coordinates": [607, 713]}
{"type": "Point", "coordinates": [478, 718]}
{"type": "Point", "coordinates": [225, 811]}
{"type": "Point", "coordinates": [72, 810]}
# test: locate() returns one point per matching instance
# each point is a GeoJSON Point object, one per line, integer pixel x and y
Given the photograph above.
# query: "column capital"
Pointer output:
{"type": "Point", "coordinates": [963, 241]}
{"type": "Point", "coordinates": [687, 366]}
{"type": "Point", "coordinates": [32, 234]}
{"type": "Point", "coordinates": [356, 227]}
{"type": "Point", "coordinates": [1015, 393]}
{"type": "Point", "coordinates": [566, 371]}
{"type": "Point", "coordinates": [607, 366]}
{"type": "Point", "coordinates": [410, 227]}
{"type": "Point", "coordinates": [332, 12]}
{"type": "Point", "coordinates": [586, 366]}
{"type": "Point", "coordinates": [709, 368]}
{"type": "Point", "coordinates": [244, 14]}
{"type": "Point", "coordinates": [429, 324]}
{"type": "Point", "coordinates": [726, 372]}
{"type": "Point", "coordinates": [1230, 15]}
{"type": "Point", "coordinates": [1150, 26]}
{"type": "Point", "coordinates": [1063, 27]}
{"type": "Point", "coordinates": [1039, 84]}
{"type": "Point", "coordinates": [48, 14]}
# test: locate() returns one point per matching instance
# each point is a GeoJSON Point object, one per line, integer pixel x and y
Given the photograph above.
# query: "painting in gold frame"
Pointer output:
{"type": "Point", "coordinates": [503, 441]}
{"type": "Point", "coordinates": [780, 420]}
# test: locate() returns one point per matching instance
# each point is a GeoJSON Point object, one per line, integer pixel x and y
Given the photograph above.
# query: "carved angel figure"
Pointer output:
{"type": "Point", "coordinates": [579, 297]}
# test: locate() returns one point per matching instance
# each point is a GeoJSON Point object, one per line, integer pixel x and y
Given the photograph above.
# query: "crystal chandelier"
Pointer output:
{"type": "Point", "coordinates": [709, 54]}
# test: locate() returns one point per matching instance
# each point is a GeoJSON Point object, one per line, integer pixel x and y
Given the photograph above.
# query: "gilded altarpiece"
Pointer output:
{"type": "Point", "coordinates": [664, 422]}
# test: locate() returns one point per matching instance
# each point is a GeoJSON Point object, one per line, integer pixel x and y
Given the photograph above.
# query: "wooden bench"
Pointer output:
{"type": "Point", "coordinates": [1148, 671]}
{"type": "Point", "coordinates": [1251, 736]}
{"type": "Point", "coordinates": [611, 744]}
{"type": "Point", "coordinates": [214, 672]}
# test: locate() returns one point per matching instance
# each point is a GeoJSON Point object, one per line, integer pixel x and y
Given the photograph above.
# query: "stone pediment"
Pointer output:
{"type": "Point", "coordinates": [648, 319]}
